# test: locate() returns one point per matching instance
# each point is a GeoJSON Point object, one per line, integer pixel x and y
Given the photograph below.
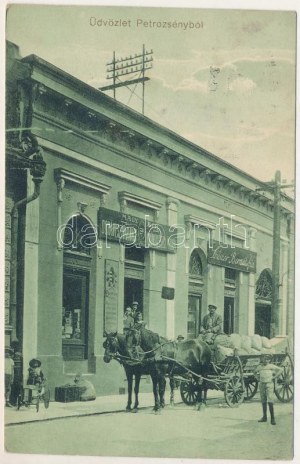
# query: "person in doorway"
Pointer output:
{"type": "Point", "coordinates": [266, 374]}
{"type": "Point", "coordinates": [139, 323]}
{"type": "Point", "coordinates": [128, 320]}
{"type": "Point", "coordinates": [135, 309]}
{"type": "Point", "coordinates": [9, 374]}
{"type": "Point", "coordinates": [211, 325]}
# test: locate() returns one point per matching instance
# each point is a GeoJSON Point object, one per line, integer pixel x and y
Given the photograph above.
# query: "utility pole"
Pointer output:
{"type": "Point", "coordinates": [275, 187]}
{"type": "Point", "coordinates": [276, 256]}
{"type": "Point", "coordinates": [136, 64]}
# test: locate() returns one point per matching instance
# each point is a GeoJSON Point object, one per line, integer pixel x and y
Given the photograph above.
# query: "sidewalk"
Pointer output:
{"type": "Point", "coordinates": [102, 405]}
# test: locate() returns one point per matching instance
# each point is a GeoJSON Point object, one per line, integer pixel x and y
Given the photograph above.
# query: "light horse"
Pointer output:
{"type": "Point", "coordinates": [187, 358]}
{"type": "Point", "coordinates": [116, 348]}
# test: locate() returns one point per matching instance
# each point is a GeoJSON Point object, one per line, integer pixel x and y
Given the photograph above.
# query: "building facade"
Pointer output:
{"type": "Point", "coordinates": [127, 211]}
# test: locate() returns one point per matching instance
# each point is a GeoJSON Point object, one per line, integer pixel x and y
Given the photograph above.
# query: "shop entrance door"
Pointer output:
{"type": "Point", "coordinates": [263, 320]}
{"type": "Point", "coordinates": [228, 315]}
{"type": "Point", "coordinates": [194, 316]}
{"type": "Point", "coordinates": [133, 291]}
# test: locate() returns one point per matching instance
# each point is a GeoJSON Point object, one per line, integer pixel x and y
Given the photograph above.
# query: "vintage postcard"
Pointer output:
{"type": "Point", "coordinates": [149, 232]}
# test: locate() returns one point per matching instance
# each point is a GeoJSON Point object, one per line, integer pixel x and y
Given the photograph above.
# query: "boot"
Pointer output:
{"type": "Point", "coordinates": [264, 417]}
{"type": "Point", "coordinates": [271, 409]}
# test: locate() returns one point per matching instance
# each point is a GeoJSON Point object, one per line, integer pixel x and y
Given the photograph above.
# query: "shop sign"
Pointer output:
{"type": "Point", "coordinates": [131, 230]}
{"type": "Point", "coordinates": [236, 258]}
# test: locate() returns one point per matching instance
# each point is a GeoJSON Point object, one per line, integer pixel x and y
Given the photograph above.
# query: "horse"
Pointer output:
{"type": "Point", "coordinates": [116, 347]}
{"type": "Point", "coordinates": [171, 358]}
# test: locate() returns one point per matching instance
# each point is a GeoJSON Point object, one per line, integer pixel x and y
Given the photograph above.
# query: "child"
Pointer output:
{"type": "Point", "coordinates": [266, 373]}
{"type": "Point", "coordinates": [35, 379]}
{"type": "Point", "coordinates": [9, 374]}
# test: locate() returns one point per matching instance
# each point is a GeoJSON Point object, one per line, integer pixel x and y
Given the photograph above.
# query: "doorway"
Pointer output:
{"type": "Point", "coordinates": [263, 320]}
{"type": "Point", "coordinates": [194, 316]}
{"type": "Point", "coordinates": [133, 291]}
{"type": "Point", "coordinates": [228, 315]}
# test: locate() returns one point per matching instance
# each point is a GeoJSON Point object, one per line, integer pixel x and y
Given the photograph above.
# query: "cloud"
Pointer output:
{"type": "Point", "coordinates": [241, 85]}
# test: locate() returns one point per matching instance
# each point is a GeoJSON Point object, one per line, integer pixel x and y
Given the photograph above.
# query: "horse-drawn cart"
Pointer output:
{"type": "Point", "coordinates": [235, 376]}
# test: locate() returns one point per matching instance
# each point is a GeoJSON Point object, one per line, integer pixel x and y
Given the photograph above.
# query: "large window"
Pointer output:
{"type": "Point", "coordinates": [79, 239]}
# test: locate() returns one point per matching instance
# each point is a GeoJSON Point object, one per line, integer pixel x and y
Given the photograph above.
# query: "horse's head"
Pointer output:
{"type": "Point", "coordinates": [111, 346]}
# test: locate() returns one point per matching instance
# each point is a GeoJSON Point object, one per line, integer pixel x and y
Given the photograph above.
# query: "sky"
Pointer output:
{"type": "Point", "coordinates": [227, 84]}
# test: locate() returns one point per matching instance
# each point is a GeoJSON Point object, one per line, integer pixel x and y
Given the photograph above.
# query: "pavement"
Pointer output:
{"type": "Point", "coordinates": [101, 405]}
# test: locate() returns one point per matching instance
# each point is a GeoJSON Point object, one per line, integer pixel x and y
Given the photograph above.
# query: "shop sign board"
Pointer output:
{"type": "Point", "coordinates": [233, 257]}
{"type": "Point", "coordinates": [134, 231]}
{"type": "Point", "coordinates": [111, 296]}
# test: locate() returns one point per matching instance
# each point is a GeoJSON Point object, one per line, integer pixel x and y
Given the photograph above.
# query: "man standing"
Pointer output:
{"type": "Point", "coordinates": [266, 373]}
{"type": "Point", "coordinates": [212, 324]}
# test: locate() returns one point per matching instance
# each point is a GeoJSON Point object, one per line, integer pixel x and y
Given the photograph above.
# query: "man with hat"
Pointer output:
{"type": "Point", "coordinates": [135, 309]}
{"type": "Point", "coordinates": [212, 324]}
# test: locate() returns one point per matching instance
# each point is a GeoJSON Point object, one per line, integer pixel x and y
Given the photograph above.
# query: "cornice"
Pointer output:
{"type": "Point", "coordinates": [98, 128]}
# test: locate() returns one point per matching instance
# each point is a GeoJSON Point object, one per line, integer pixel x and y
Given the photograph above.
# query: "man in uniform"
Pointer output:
{"type": "Point", "coordinates": [212, 324]}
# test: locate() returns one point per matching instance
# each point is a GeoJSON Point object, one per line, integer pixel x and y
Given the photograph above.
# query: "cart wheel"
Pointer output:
{"type": "Point", "coordinates": [234, 391]}
{"type": "Point", "coordinates": [46, 398]}
{"type": "Point", "coordinates": [284, 386]}
{"type": "Point", "coordinates": [189, 392]}
{"type": "Point", "coordinates": [251, 386]}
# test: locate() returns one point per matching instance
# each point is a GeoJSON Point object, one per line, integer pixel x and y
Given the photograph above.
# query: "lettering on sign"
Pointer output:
{"type": "Point", "coordinates": [236, 258]}
{"type": "Point", "coordinates": [134, 231]}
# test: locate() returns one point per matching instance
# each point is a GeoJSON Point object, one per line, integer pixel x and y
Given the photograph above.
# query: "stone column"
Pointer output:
{"type": "Point", "coordinates": [172, 209]}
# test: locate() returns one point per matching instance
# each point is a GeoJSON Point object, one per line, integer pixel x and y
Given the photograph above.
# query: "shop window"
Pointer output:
{"type": "Point", "coordinates": [79, 239]}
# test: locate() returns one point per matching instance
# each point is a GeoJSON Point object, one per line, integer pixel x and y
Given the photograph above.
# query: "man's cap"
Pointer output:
{"type": "Point", "coordinates": [212, 306]}
{"type": "Point", "coordinates": [180, 337]}
{"type": "Point", "coordinates": [135, 303]}
{"type": "Point", "coordinates": [35, 363]}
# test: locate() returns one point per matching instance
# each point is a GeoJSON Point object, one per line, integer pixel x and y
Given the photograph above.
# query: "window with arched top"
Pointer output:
{"type": "Point", "coordinates": [195, 265]}
{"type": "Point", "coordinates": [79, 235]}
{"type": "Point", "coordinates": [80, 241]}
{"type": "Point", "coordinates": [195, 294]}
{"type": "Point", "coordinates": [264, 285]}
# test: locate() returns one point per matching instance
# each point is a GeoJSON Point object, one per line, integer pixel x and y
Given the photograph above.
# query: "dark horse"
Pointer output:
{"type": "Point", "coordinates": [189, 358]}
{"type": "Point", "coordinates": [116, 347]}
